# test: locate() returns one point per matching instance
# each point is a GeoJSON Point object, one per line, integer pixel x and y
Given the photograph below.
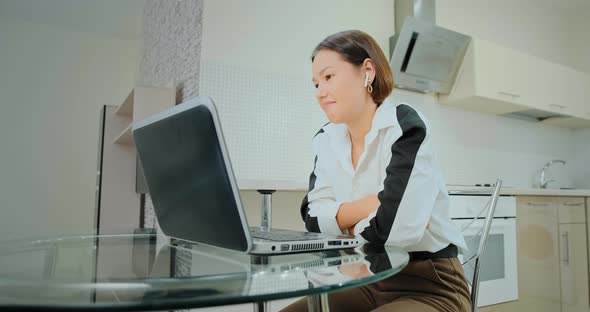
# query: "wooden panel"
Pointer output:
{"type": "Point", "coordinates": [538, 255]}
{"type": "Point", "coordinates": [150, 100]}
{"type": "Point", "coordinates": [571, 209]}
{"type": "Point", "coordinates": [119, 206]}
{"type": "Point", "coordinates": [574, 268]}
{"type": "Point", "coordinates": [527, 304]}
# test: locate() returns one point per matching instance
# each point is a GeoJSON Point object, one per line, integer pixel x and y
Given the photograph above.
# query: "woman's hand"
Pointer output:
{"type": "Point", "coordinates": [371, 203]}
{"type": "Point", "coordinates": [351, 213]}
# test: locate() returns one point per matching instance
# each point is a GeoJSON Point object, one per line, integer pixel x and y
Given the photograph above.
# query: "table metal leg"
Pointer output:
{"type": "Point", "coordinates": [266, 209]}
{"type": "Point", "coordinates": [318, 303]}
{"type": "Point", "coordinates": [262, 306]}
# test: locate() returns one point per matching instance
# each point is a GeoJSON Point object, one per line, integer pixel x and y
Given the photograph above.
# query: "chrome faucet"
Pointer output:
{"type": "Point", "coordinates": [542, 182]}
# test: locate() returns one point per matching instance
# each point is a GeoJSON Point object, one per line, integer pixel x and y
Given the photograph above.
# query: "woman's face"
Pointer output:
{"type": "Point", "coordinates": [339, 86]}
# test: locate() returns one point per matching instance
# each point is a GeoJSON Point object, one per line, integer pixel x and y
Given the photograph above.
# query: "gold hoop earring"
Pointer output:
{"type": "Point", "coordinates": [370, 89]}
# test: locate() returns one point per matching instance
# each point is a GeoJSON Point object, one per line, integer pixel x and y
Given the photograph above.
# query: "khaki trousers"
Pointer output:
{"type": "Point", "coordinates": [423, 285]}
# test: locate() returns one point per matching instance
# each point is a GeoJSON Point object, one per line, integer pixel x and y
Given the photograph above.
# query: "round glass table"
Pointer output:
{"type": "Point", "coordinates": [145, 271]}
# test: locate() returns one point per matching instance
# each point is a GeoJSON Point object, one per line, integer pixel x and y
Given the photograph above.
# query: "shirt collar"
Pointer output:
{"type": "Point", "coordinates": [339, 140]}
{"type": "Point", "coordinates": [384, 118]}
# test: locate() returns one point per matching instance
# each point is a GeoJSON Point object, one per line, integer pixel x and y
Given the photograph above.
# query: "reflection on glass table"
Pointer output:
{"type": "Point", "coordinates": [150, 272]}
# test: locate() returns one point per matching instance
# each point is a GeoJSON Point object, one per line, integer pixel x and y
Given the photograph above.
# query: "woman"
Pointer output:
{"type": "Point", "coordinates": [374, 176]}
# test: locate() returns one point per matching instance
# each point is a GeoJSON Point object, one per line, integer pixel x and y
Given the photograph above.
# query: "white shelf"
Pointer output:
{"type": "Point", "coordinates": [126, 109]}
{"type": "Point", "coordinates": [125, 137]}
{"type": "Point", "coordinates": [142, 102]}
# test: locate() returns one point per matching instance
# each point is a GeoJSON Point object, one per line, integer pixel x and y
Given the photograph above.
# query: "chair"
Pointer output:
{"type": "Point", "coordinates": [473, 261]}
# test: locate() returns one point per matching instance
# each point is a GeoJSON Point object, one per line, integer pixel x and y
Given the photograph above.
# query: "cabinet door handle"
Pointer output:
{"type": "Point", "coordinates": [514, 95]}
{"type": "Point", "coordinates": [566, 257]}
{"type": "Point", "coordinates": [537, 204]}
{"type": "Point", "coordinates": [573, 204]}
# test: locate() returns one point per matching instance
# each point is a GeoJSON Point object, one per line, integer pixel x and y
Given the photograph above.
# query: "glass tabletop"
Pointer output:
{"type": "Point", "coordinates": [143, 271]}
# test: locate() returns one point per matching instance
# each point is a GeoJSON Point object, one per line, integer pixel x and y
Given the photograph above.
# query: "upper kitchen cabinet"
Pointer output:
{"type": "Point", "coordinates": [577, 98]}
{"type": "Point", "coordinates": [483, 84]}
{"type": "Point", "coordinates": [502, 81]}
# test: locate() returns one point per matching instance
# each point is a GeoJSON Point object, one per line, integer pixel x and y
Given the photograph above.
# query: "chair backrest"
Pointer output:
{"type": "Point", "coordinates": [473, 260]}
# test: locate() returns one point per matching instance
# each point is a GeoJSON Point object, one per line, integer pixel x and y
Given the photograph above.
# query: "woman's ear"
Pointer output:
{"type": "Point", "coordinates": [369, 67]}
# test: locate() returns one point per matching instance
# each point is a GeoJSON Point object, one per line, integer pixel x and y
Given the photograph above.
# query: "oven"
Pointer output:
{"type": "Point", "coordinates": [498, 274]}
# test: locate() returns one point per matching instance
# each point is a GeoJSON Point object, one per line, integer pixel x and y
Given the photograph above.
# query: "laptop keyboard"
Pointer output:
{"type": "Point", "coordinates": [284, 236]}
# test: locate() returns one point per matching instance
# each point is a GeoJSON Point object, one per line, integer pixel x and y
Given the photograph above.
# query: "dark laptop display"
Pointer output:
{"type": "Point", "coordinates": [195, 194]}
{"type": "Point", "coordinates": [184, 167]}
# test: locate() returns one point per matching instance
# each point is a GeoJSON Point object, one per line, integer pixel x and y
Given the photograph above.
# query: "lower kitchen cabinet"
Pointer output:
{"type": "Point", "coordinates": [573, 268]}
{"type": "Point", "coordinates": [573, 254]}
{"type": "Point", "coordinates": [552, 256]}
{"type": "Point", "coordinates": [537, 235]}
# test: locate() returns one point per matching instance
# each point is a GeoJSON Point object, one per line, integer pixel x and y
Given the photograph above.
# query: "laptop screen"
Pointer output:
{"type": "Point", "coordinates": [188, 179]}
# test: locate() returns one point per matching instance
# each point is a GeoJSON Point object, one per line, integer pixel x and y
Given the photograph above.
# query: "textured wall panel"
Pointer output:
{"type": "Point", "coordinates": [171, 51]}
{"type": "Point", "coordinates": [172, 45]}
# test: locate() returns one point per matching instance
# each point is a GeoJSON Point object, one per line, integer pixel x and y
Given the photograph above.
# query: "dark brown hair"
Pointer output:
{"type": "Point", "coordinates": [355, 46]}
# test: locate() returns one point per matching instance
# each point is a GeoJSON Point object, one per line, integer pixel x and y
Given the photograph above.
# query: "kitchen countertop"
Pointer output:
{"type": "Point", "coordinates": [508, 190]}
{"type": "Point", "coordinates": [294, 186]}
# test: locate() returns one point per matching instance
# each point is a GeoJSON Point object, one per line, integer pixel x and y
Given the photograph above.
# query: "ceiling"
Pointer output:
{"type": "Point", "coordinates": [116, 18]}
{"type": "Point", "coordinates": [123, 18]}
{"type": "Point", "coordinates": [569, 5]}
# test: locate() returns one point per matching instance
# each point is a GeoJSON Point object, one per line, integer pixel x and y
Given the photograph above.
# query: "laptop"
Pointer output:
{"type": "Point", "coordinates": [192, 186]}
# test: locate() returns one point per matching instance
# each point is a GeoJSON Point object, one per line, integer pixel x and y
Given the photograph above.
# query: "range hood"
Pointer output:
{"type": "Point", "coordinates": [424, 57]}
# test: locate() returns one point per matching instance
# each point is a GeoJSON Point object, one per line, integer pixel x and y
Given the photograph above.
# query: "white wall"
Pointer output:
{"type": "Point", "coordinates": [255, 35]}
{"type": "Point", "coordinates": [53, 83]}
{"type": "Point", "coordinates": [266, 46]}
{"type": "Point", "coordinates": [255, 64]}
{"type": "Point", "coordinates": [472, 147]}
{"type": "Point", "coordinates": [269, 36]}
{"type": "Point", "coordinates": [582, 160]}
{"type": "Point", "coordinates": [554, 32]}
{"type": "Point", "coordinates": [479, 148]}
{"type": "Point", "coordinates": [530, 26]}
{"type": "Point", "coordinates": [579, 36]}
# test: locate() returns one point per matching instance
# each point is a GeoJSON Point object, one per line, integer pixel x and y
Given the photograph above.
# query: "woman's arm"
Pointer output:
{"type": "Point", "coordinates": [319, 207]}
{"type": "Point", "coordinates": [410, 188]}
{"type": "Point", "coordinates": [351, 213]}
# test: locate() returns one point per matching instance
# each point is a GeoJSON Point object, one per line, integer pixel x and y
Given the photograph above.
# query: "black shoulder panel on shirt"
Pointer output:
{"type": "Point", "coordinates": [321, 130]}
{"type": "Point", "coordinates": [311, 223]}
{"type": "Point", "coordinates": [399, 170]}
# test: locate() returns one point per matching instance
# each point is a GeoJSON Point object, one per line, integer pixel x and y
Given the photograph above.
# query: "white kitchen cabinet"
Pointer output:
{"type": "Point", "coordinates": [483, 84]}
{"type": "Point", "coordinates": [579, 98]}
{"type": "Point", "coordinates": [499, 80]}
{"type": "Point", "coordinates": [574, 89]}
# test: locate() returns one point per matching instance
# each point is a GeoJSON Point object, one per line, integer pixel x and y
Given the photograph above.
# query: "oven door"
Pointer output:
{"type": "Point", "coordinates": [498, 278]}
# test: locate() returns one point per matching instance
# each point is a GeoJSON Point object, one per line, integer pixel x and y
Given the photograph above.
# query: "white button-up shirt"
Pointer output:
{"type": "Point", "coordinates": [398, 164]}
